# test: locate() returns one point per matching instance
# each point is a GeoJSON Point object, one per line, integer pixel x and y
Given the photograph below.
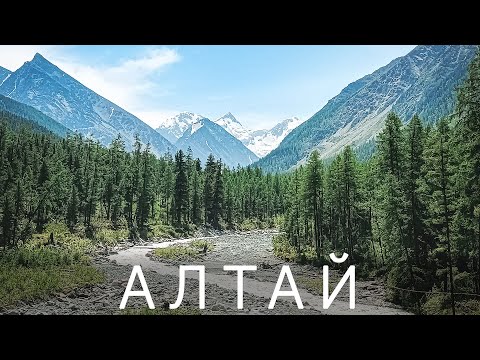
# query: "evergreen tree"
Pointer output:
{"type": "Point", "coordinates": [181, 189]}
{"type": "Point", "coordinates": [218, 197]}
{"type": "Point", "coordinates": [467, 142]}
{"type": "Point", "coordinates": [196, 203]}
{"type": "Point", "coordinates": [350, 196]}
{"type": "Point", "coordinates": [7, 222]}
{"type": "Point", "coordinates": [72, 214]}
{"type": "Point", "coordinates": [146, 192]}
{"type": "Point", "coordinates": [314, 196]}
{"type": "Point", "coordinates": [414, 205]}
{"type": "Point", "coordinates": [390, 148]}
{"type": "Point", "coordinates": [209, 189]}
{"type": "Point", "coordinates": [439, 178]}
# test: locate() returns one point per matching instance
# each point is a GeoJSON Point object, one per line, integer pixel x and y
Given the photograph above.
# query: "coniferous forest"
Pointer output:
{"type": "Point", "coordinates": [409, 213]}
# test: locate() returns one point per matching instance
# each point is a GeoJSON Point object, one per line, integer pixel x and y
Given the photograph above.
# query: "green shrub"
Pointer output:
{"type": "Point", "coordinates": [279, 222]}
{"type": "Point", "coordinates": [111, 237]}
{"type": "Point", "coordinates": [162, 231]}
{"type": "Point", "coordinates": [192, 250]}
{"type": "Point", "coordinates": [283, 249]}
{"type": "Point", "coordinates": [202, 244]}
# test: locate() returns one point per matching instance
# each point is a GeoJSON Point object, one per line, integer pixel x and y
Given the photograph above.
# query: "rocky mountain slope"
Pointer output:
{"type": "Point", "coordinates": [47, 88]}
{"type": "Point", "coordinates": [4, 73]}
{"type": "Point", "coordinates": [205, 137]}
{"type": "Point", "coordinates": [422, 82]}
{"type": "Point", "coordinates": [30, 114]}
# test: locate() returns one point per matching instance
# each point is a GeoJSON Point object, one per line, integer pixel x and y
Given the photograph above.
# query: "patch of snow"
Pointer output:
{"type": "Point", "coordinates": [206, 143]}
{"type": "Point", "coordinates": [65, 103]}
{"type": "Point", "coordinates": [178, 124]}
{"type": "Point", "coordinates": [5, 79]}
{"type": "Point", "coordinates": [264, 143]}
{"type": "Point", "coordinates": [196, 126]}
{"type": "Point", "coordinates": [15, 88]}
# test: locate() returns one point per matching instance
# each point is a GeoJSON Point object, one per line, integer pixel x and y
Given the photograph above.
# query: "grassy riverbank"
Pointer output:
{"type": "Point", "coordinates": [34, 272]}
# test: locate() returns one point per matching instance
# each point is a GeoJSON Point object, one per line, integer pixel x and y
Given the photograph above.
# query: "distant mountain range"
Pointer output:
{"type": "Point", "coordinates": [260, 142]}
{"type": "Point", "coordinates": [45, 87]}
{"type": "Point", "coordinates": [205, 137]}
{"type": "Point", "coordinates": [422, 82]}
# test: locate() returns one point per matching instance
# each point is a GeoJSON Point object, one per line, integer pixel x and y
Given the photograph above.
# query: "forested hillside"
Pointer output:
{"type": "Point", "coordinates": [423, 82]}
{"type": "Point", "coordinates": [31, 115]}
{"type": "Point", "coordinates": [412, 212]}
{"type": "Point", "coordinates": [89, 187]}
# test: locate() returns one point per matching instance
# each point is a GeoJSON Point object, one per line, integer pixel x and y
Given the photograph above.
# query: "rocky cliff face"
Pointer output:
{"type": "Point", "coordinates": [422, 82]}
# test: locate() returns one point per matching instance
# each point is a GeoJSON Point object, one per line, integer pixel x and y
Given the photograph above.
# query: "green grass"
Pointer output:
{"type": "Point", "coordinates": [314, 285]}
{"type": "Point", "coordinates": [35, 271]}
{"type": "Point", "coordinates": [192, 250]}
{"type": "Point", "coordinates": [160, 311]}
{"type": "Point", "coordinates": [201, 244]}
{"type": "Point", "coordinates": [28, 284]}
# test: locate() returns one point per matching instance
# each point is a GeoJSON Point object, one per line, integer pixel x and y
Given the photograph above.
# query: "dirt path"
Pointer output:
{"type": "Point", "coordinates": [221, 288]}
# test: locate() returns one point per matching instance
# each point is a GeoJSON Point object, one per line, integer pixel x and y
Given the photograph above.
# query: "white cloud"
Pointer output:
{"type": "Point", "coordinates": [129, 82]}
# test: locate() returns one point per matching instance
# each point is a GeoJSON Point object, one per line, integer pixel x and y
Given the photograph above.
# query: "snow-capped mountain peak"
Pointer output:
{"type": "Point", "coordinates": [260, 142]}
{"type": "Point", "coordinates": [229, 117]}
{"type": "Point", "coordinates": [234, 127]}
{"type": "Point", "coordinates": [263, 142]}
{"type": "Point", "coordinates": [173, 128]}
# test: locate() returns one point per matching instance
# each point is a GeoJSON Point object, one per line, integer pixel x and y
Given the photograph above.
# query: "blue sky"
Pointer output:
{"type": "Point", "coordinates": [260, 85]}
